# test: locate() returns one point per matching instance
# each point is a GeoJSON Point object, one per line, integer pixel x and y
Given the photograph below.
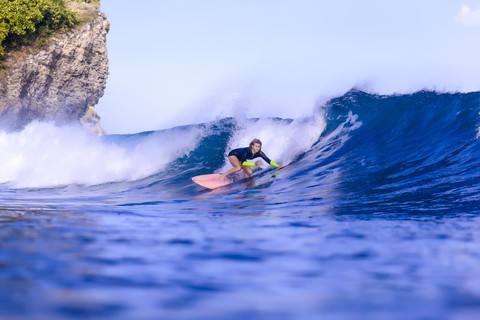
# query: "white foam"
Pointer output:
{"type": "Point", "coordinates": [43, 155]}
{"type": "Point", "coordinates": [282, 142]}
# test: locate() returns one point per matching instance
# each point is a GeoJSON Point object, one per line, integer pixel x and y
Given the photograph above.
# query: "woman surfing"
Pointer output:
{"type": "Point", "coordinates": [238, 158]}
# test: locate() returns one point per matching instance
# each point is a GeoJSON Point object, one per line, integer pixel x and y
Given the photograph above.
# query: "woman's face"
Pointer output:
{"type": "Point", "coordinates": [256, 147]}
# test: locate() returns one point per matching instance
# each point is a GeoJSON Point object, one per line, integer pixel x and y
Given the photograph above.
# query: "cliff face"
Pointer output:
{"type": "Point", "coordinates": [61, 82]}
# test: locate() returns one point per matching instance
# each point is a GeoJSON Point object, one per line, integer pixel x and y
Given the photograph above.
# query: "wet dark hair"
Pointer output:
{"type": "Point", "coordinates": [253, 142]}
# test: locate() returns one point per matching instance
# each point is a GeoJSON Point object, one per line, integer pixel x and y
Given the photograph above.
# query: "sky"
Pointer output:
{"type": "Point", "coordinates": [176, 62]}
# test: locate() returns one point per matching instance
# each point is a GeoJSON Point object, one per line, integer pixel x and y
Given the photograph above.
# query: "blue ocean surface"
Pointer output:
{"type": "Point", "coordinates": [376, 216]}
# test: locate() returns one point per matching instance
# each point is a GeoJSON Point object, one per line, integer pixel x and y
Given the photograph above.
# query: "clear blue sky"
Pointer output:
{"type": "Point", "coordinates": [176, 62]}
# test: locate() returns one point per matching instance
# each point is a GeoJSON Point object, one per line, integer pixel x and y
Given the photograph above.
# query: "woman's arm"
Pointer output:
{"type": "Point", "coordinates": [267, 160]}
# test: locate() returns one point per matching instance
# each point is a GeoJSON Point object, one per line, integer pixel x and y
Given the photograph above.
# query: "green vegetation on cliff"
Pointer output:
{"type": "Point", "coordinates": [26, 21]}
{"type": "Point", "coordinates": [96, 3]}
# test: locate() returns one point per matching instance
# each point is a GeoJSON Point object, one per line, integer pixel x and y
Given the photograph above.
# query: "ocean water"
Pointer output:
{"type": "Point", "coordinates": [376, 216]}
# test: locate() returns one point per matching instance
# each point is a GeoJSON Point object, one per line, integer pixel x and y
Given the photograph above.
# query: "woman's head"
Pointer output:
{"type": "Point", "coordinates": [255, 145]}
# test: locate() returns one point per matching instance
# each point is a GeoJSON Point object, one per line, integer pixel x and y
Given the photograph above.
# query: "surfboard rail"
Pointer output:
{"type": "Point", "coordinates": [210, 181]}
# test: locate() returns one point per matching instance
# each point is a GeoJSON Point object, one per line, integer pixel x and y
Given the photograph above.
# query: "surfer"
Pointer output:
{"type": "Point", "coordinates": [238, 158]}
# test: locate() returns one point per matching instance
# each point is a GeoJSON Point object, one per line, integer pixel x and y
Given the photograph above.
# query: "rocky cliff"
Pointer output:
{"type": "Point", "coordinates": [61, 82]}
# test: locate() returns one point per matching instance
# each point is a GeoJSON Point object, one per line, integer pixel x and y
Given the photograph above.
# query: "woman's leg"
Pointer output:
{"type": "Point", "coordinates": [248, 170]}
{"type": "Point", "coordinates": [237, 166]}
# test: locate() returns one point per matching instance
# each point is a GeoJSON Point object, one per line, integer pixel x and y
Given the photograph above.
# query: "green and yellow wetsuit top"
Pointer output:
{"type": "Point", "coordinates": [244, 154]}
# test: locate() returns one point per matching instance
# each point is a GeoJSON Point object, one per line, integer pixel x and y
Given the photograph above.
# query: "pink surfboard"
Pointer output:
{"type": "Point", "coordinates": [210, 181]}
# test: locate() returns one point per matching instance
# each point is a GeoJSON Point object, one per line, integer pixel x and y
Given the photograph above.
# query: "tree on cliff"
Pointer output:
{"type": "Point", "coordinates": [61, 82]}
{"type": "Point", "coordinates": [25, 21]}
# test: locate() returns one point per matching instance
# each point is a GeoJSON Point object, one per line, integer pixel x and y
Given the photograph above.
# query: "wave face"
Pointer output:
{"type": "Point", "coordinates": [376, 209]}
{"type": "Point", "coordinates": [415, 153]}
{"type": "Point", "coordinates": [361, 152]}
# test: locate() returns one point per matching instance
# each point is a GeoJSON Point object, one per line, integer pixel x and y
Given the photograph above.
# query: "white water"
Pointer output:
{"type": "Point", "coordinates": [43, 155]}
{"type": "Point", "coordinates": [282, 142]}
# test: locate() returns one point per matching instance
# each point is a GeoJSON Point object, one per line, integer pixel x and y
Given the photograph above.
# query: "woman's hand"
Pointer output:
{"type": "Point", "coordinates": [258, 162]}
